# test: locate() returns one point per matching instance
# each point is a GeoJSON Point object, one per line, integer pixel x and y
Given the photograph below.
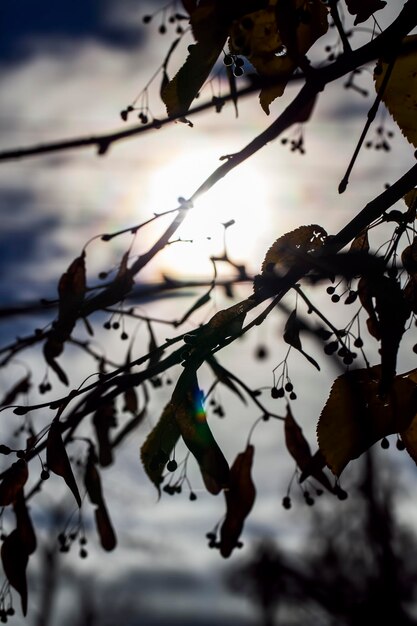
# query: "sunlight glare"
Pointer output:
{"type": "Point", "coordinates": [243, 197]}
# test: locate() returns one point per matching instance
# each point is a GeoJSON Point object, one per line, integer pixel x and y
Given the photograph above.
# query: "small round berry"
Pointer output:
{"type": "Point", "coordinates": [289, 387]}
{"type": "Point", "coordinates": [192, 496]}
{"type": "Point", "coordinates": [384, 443]}
{"type": "Point", "coordinates": [228, 60]}
{"type": "Point", "coordinates": [172, 465]}
{"type": "Point", "coordinates": [358, 343]}
{"type": "Point", "coordinates": [330, 290]}
{"type": "Point", "coordinates": [286, 502]}
{"type": "Point", "coordinates": [400, 444]}
{"type": "Point", "coordinates": [335, 297]}
{"type": "Point", "coordinates": [293, 395]}
{"type": "Point", "coordinates": [44, 474]}
{"type": "Point", "coordinates": [274, 393]}
{"type": "Point", "coordinates": [146, 19]}
{"type": "Point", "coordinates": [238, 71]}
{"type": "Point", "coordinates": [83, 553]}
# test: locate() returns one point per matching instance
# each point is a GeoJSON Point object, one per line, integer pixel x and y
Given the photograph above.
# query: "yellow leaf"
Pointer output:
{"type": "Point", "coordinates": [355, 417]}
{"type": "Point", "coordinates": [400, 94]}
{"type": "Point", "coordinates": [273, 49]}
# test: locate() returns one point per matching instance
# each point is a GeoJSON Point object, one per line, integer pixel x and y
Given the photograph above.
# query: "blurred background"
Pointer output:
{"type": "Point", "coordinates": [67, 70]}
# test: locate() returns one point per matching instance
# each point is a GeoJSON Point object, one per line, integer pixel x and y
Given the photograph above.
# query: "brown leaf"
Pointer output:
{"type": "Point", "coordinates": [363, 9]}
{"type": "Point", "coordinates": [361, 242]}
{"type": "Point", "coordinates": [15, 558]}
{"type": "Point", "coordinates": [104, 419]}
{"type": "Point", "coordinates": [57, 459]}
{"type": "Point", "coordinates": [13, 482]}
{"type": "Point", "coordinates": [240, 497]}
{"type": "Point", "coordinates": [71, 288]}
{"type": "Point", "coordinates": [399, 95]}
{"type": "Point", "coordinates": [296, 443]}
{"type": "Point", "coordinates": [92, 479]}
{"type": "Point", "coordinates": [156, 450]}
{"type": "Point", "coordinates": [291, 249]}
{"type": "Point", "coordinates": [130, 400]}
{"type": "Point", "coordinates": [24, 524]}
{"type": "Point", "coordinates": [20, 387]}
{"type": "Point", "coordinates": [104, 528]}
{"type": "Point", "coordinates": [355, 417]}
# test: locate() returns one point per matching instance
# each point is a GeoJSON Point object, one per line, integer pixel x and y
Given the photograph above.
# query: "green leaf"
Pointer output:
{"type": "Point", "coordinates": [184, 87]}
{"type": "Point", "coordinates": [190, 416]}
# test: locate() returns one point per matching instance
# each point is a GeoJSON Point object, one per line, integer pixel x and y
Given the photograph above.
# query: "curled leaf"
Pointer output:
{"type": "Point", "coordinates": [57, 459]}
{"type": "Point", "coordinates": [240, 497]}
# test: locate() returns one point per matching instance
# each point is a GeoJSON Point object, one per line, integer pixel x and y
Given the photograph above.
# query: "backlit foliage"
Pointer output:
{"type": "Point", "coordinates": [269, 41]}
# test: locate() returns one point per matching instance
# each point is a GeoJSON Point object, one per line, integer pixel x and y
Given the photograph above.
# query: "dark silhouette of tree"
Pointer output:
{"type": "Point", "coordinates": [270, 41]}
{"type": "Point", "coordinates": [358, 565]}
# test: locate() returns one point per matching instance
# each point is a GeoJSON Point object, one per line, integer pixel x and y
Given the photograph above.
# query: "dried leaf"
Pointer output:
{"type": "Point", "coordinates": [24, 524]}
{"type": "Point", "coordinates": [400, 94]}
{"type": "Point", "coordinates": [291, 336]}
{"type": "Point", "coordinates": [355, 417]}
{"type": "Point", "coordinates": [13, 482]}
{"type": "Point", "coordinates": [291, 249]}
{"type": "Point", "coordinates": [104, 528]}
{"type": "Point", "coordinates": [15, 559]}
{"type": "Point", "coordinates": [71, 289]}
{"type": "Point", "coordinates": [410, 199]}
{"type": "Point", "coordinates": [363, 9]}
{"type": "Point", "coordinates": [361, 242]}
{"type": "Point", "coordinates": [92, 479]}
{"type": "Point", "coordinates": [296, 443]}
{"type": "Point", "coordinates": [240, 497]}
{"type": "Point", "coordinates": [184, 87]}
{"type": "Point", "coordinates": [223, 376]}
{"type": "Point", "coordinates": [156, 450]}
{"type": "Point", "coordinates": [104, 419]}
{"type": "Point", "coordinates": [57, 459]}
{"type": "Point", "coordinates": [130, 400]}
{"type": "Point", "coordinates": [387, 319]}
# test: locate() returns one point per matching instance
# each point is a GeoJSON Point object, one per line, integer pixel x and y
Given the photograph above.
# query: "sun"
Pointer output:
{"type": "Point", "coordinates": [241, 197]}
